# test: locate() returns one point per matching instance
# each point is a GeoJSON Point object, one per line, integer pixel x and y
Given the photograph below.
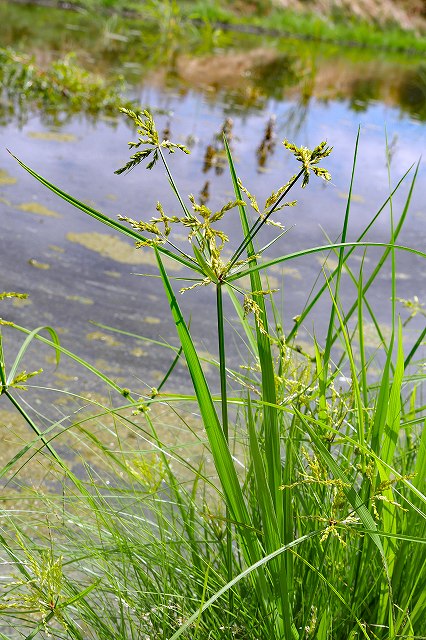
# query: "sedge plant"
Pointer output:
{"type": "Point", "coordinates": [313, 524]}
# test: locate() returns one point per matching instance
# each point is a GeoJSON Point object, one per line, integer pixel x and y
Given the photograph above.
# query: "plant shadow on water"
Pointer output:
{"type": "Point", "coordinates": [300, 512]}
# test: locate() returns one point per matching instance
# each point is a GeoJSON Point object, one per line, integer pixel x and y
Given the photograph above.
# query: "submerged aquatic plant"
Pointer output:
{"type": "Point", "coordinates": [311, 522]}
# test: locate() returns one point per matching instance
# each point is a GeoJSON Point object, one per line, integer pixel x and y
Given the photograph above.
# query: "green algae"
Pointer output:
{"type": "Point", "coordinates": [52, 136]}
{"type": "Point", "coordinates": [6, 178]}
{"type": "Point", "coordinates": [38, 265]}
{"type": "Point", "coordinates": [329, 263]}
{"type": "Point", "coordinates": [112, 247]}
{"type": "Point", "coordinates": [286, 271]}
{"type": "Point", "coordinates": [21, 302]}
{"type": "Point", "coordinates": [103, 337]}
{"type": "Point", "coordinates": [137, 352]}
{"type": "Point", "coordinates": [80, 299]}
{"type": "Point", "coordinates": [38, 209]}
{"type": "Point", "coordinates": [65, 377]}
{"type": "Point", "coordinates": [354, 197]}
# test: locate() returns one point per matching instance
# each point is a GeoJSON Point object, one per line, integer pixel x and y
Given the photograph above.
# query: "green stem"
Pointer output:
{"type": "Point", "coordinates": [33, 427]}
{"type": "Point", "coordinates": [2, 368]}
{"type": "Point", "coordinates": [341, 260]}
{"type": "Point", "coordinates": [415, 347]}
{"type": "Point", "coordinates": [222, 359]}
{"type": "Point", "coordinates": [225, 425]}
{"type": "Point", "coordinates": [173, 183]}
{"type": "Point", "coordinates": [323, 288]}
{"type": "Point", "coordinates": [181, 202]}
{"type": "Point", "coordinates": [378, 266]}
{"type": "Point", "coordinates": [261, 221]}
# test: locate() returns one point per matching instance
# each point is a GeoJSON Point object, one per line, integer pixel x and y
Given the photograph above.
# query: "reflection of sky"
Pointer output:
{"type": "Point", "coordinates": [336, 123]}
{"type": "Point", "coordinates": [87, 165]}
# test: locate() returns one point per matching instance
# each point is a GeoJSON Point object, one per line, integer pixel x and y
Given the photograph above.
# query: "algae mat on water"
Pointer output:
{"type": "Point", "coordinates": [38, 209]}
{"type": "Point", "coordinates": [112, 247]}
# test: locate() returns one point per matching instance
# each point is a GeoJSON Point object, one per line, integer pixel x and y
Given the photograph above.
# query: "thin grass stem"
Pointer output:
{"type": "Point", "coordinates": [225, 426]}
{"type": "Point", "coordinates": [248, 239]}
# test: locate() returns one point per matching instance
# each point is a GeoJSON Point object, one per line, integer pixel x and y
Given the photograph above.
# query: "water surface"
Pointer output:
{"type": "Point", "coordinates": [76, 271]}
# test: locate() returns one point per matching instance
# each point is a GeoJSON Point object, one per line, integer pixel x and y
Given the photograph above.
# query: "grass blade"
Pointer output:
{"type": "Point", "coordinates": [26, 344]}
{"type": "Point", "coordinates": [219, 448]}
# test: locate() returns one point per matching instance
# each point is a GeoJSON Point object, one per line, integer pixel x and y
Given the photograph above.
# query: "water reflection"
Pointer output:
{"type": "Point", "coordinates": [205, 193]}
{"type": "Point", "coordinates": [215, 156]}
{"type": "Point", "coordinates": [411, 94]}
{"type": "Point", "coordinates": [267, 144]}
{"type": "Point", "coordinates": [243, 71]}
{"type": "Point", "coordinates": [278, 73]}
{"type": "Point", "coordinates": [363, 92]}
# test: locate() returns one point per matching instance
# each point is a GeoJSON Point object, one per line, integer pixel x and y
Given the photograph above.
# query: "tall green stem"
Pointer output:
{"type": "Point", "coordinates": [225, 426]}
{"type": "Point", "coordinates": [181, 202]}
{"type": "Point", "coordinates": [2, 371]}
{"type": "Point", "coordinates": [222, 360]}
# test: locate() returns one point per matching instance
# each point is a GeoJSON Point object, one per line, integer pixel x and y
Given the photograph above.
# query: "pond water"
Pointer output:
{"type": "Point", "coordinates": [77, 272]}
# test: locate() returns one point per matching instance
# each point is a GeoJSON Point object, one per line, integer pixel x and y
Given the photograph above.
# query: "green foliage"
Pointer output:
{"type": "Point", "coordinates": [40, 590]}
{"type": "Point", "coordinates": [302, 513]}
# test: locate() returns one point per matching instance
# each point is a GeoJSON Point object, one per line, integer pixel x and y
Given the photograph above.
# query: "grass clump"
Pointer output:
{"type": "Point", "coordinates": [300, 512]}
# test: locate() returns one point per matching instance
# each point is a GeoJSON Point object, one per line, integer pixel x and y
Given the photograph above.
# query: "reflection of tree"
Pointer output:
{"type": "Point", "coordinates": [215, 156]}
{"type": "Point", "coordinates": [104, 45]}
{"type": "Point", "coordinates": [298, 110]}
{"type": "Point", "coordinates": [412, 93]}
{"type": "Point", "coordinates": [295, 117]}
{"type": "Point", "coordinates": [362, 92]}
{"type": "Point", "coordinates": [245, 100]}
{"type": "Point", "coordinates": [273, 79]}
{"type": "Point", "coordinates": [205, 193]}
{"type": "Point", "coordinates": [274, 76]}
{"type": "Point", "coordinates": [267, 144]}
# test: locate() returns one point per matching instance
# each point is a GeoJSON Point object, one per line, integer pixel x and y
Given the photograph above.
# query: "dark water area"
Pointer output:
{"type": "Point", "coordinates": [300, 91]}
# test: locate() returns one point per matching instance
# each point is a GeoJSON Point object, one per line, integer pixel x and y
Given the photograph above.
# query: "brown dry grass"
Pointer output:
{"type": "Point", "coordinates": [409, 14]}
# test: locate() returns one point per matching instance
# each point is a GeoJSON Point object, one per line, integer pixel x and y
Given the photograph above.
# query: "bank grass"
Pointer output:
{"type": "Point", "coordinates": [343, 29]}
{"type": "Point", "coordinates": [263, 17]}
{"type": "Point", "coordinates": [289, 503]}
